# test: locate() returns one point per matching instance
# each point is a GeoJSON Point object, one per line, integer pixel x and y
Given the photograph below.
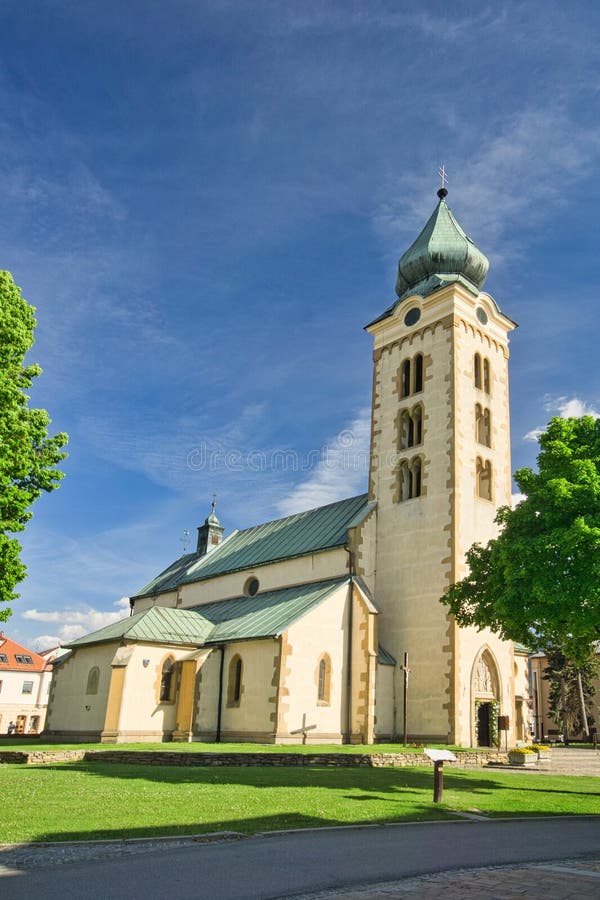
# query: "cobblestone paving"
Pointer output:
{"type": "Point", "coordinates": [35, 856]}
{"type": "Point", "coordinates": [574, 879]}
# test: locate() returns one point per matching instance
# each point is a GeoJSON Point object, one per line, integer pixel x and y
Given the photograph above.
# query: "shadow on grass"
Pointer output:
{"type": "Point", "coordinates": [371, 781]}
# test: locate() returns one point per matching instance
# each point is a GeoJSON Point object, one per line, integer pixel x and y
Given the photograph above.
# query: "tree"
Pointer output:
{"type": "Point", "coordinates": [571, 692]}
{"type": "Point", "coordinates": [28, 457]}
{"type": "Point", "coordinates": [538, 582]}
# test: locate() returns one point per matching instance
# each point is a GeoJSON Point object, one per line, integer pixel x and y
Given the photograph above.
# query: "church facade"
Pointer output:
{"type": "Point", "coordinates": [303, 629]}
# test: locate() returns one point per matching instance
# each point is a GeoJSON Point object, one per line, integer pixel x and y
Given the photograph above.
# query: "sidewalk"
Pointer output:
{"type": "Point", "coordinates": [576, 878]}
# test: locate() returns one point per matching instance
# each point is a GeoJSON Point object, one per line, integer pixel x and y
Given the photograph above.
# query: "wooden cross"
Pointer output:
{"type": "Point", "coordinates": [443, 176]}
{"type": "Point", "coordinates": [304, 728]}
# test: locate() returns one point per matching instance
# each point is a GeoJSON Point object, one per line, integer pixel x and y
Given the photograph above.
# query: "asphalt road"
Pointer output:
{"type": "Point", "coordinates": [265, 867]}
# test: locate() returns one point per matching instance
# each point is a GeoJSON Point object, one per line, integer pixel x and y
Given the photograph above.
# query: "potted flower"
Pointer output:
{"type": "Point", "coordinates": [543, 751]}
{"type": "Point", "coordinates": [522, 756]}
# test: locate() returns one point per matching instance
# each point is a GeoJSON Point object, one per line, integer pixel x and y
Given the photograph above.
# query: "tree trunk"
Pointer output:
{"type": "Point", "coordinates": [563, 710]}
{"type": "Point", "coordinates": [584, 720]}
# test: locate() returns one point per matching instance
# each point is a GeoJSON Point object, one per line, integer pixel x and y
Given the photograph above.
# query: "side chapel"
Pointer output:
{"type": "Point", "coordinates": [296, 630]}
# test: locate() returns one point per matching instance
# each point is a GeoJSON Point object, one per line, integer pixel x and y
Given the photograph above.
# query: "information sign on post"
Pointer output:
{"type": "Point", "coordinates": [439, 757]}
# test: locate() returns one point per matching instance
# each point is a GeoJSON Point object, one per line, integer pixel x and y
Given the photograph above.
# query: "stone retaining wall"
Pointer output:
{"type": "Point", "coordinates": [464, 759]}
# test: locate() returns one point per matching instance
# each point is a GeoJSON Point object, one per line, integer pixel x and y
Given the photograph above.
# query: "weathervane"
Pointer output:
{"type": "Point", "coordinates": [185, 539]}
{"type": "Point", "coordinates": [214, 502]}
{"type": "Point", "coordinates": [442, 173]}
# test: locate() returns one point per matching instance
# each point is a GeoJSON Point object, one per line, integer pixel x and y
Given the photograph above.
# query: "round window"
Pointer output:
{"type": "Point", "coordinates": [412, 316]}
{"type": "Point", "coordinates": [481, 315]}
{"type": "Point", "coordinates": [251, 587]}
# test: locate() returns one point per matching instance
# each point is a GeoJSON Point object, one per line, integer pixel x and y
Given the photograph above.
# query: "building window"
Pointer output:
{"type": "Point", "coordinates": [23, 660]}
{"type": "Point", "coordinates": [418, 382]}
{"type": "Point", "coordinates": [405, 379]}
{"type": "Point", "coordinates": [410, 474]}
{"type": "Point", "coordinates": [411, 376]}
{"type": "Point", "coordinates": [484, 479]}
{"type": "Point", "coordinates": [93, 680]}
{"type": "Point", "coordinates": [3, 658]}
{"type": "Point", "coordinates": [324, 681]}
{"type": "Point", "coordinates": [251, 587]}
{"type": "Point", "coordinates": [27, 687]}
{"type": "Point", "coordinates": [486, 376]}
{"type": "Point", "coordinates": [234, 683]}
{"type": "Point", "coordinates": [477, 370]}
{"type": "Point", "coordinates": [483, 430]}
{"type": "Point", "coordinates": [167, 680]}
{"type": "Point", "coordinates": [411, 427]}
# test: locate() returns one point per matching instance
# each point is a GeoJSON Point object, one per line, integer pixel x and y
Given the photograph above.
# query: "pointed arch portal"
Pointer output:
{"type": "Point", "coordinates": [485, 699]}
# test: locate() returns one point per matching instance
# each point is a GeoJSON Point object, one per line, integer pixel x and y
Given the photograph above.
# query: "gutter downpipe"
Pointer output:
{"type": "Point", "coordinates": [349, 650]}
{"type": "Point", "coordinates": [220, 701]}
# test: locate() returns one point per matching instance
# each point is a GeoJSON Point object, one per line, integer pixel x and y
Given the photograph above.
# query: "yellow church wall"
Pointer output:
{"type": "Point", "coordinates": [252, 718]}
{"type": "Point", "coordinates": [70, 706]}
{"type": "Point", "coordinates": [412, 536]}
{"type": "Point", "coordinates": [318, 635]}
{"type": "Point", "coordinates": [421, 542]}
{"type": "Point", "coordinates": [272, 576]}
{"type": "Point", "coordinates": [386, 708]}
{"type": "Point", "coordinates": [143, 715]}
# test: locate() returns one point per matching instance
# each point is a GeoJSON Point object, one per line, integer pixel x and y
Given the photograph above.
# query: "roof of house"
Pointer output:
{"type": "Point", "coordinates": [15, 657]}
{"type": "Point", "coordinates": [298, 535]}
{"type": "Point", "coordinates": [267, 614]}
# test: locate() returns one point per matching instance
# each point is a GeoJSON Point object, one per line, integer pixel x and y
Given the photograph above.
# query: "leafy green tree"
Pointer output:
{"type": "Point", "coordinates": [28, 457]}
{"type": "Point", "coordinates": [538, 582]}
{"type": "Point", "coordinates": [571, 692]}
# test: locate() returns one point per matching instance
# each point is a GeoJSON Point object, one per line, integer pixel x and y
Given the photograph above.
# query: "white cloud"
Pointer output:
{"type": "Point", "coordinates": [566, 408]}
{"type": "Point", "coordinates": [534, 434]}
{"type": "Point", "coordinates": [340, 471]}
{"type": "Point", "coordinates": [76, 622]}
{"type": "Point", "coordinates": [571, 407]}
{"type": "Point", "coordinates": [505, 179]}
{"type": "Point", "coordinates": [517, 498]}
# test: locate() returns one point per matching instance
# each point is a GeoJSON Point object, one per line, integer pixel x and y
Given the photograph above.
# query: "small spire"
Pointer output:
{"type": "Point", "coordinates": [214, 502]}
{"type": "Point", "coordinates": [442, 173]}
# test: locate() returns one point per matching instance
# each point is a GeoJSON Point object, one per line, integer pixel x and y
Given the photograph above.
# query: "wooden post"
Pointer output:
{"type": "Point", "coordinates": [406, 671]}
{"type": "Point", "coordinates": [438, 780]}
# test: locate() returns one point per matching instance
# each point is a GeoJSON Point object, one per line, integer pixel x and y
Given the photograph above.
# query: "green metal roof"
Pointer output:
{"type": "Point", "coordinates": [264, 615]}
{"type": "Point", "coordinates": [159, 624]}
{"type": "Point", "coordinates": [442, 254]}
{"type": "Point", "coordinates": [268, 614]}
{"type": "Point", "coordinates": [298, 535]}
{"type": "Point", "coordinates": [384, 658]}
{"type": "Point", "coordinates": [441, 249]}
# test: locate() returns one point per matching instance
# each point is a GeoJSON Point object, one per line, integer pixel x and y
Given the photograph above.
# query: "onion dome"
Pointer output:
{"type": "Point", "coordinates": [442, 253]}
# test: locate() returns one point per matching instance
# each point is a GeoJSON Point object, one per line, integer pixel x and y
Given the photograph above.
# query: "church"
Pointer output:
{"type": "Point", "coordinates": [327, 626]}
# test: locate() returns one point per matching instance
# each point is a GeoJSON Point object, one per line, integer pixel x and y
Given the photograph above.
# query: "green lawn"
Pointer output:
{"type": "Point", "coordinates": [77, 801]}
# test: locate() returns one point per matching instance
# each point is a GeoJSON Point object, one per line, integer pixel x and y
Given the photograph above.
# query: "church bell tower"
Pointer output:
{"type": "Point", "coordinates": [439, 468]}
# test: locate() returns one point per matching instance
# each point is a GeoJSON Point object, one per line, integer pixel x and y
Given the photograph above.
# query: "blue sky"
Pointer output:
{"type": "Point", "coordinates": [206, 201]}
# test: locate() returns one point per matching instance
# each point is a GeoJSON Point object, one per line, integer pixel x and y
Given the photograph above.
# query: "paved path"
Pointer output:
{"type": "Point", "coordinates": [334, 862]}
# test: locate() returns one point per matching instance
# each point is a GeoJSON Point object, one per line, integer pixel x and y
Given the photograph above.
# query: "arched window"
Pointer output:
{"type": "Point", "coordinates": [405, 379]}
{"type": "Point", "coordinates": [405, 429]}
{"type": "Point", "coordinates": [417, 420]}
{"type": "Point", "coordinates": [477, 370]}
{"type": "Point", "coordinates": [167, 680]}
{"type": "Point", "coordinates": [416, 476]}
{"type": "Point", "coordinates": [234, 683]}
{"type": "Point", "coordinates": [484, 479]}
{"type": "Point", "coordinates": [410, 479]}
{"type": "Point", "coordinates": [418, 363]}
{"type": "Point", "coordinates": [93, 680]}
{"type": "Point", "coordinates": [411, 427]}
{"type": "Point", "coordinates": [324, 680]}
{"type": "Point", "coordinates": [486, 376]}
{"type": "Point", "coordinates": [483, 431]}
